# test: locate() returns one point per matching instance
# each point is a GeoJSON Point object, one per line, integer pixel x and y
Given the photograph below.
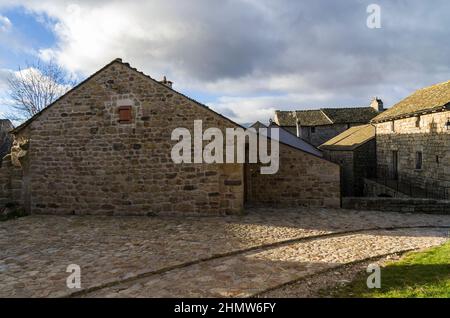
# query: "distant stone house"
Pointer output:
{"type": "Point", "coordinates": [319, 126]}
{"type": "Point", "coordinates": [355, 151]}
{"type": "Point", "coordinates": [105, 148]}
{"type": "Point", "coordinates": [5, 138]}
{"type": "Point", "coordinates": [287, 137]}
{"type": "Point", "coordinates": [413, 141]}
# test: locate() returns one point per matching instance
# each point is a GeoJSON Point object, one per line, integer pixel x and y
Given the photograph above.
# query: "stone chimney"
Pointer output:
{"type": "Point", "coordinates": [377, 104]}
{"type": "Point", "coordinates": [166, 82]}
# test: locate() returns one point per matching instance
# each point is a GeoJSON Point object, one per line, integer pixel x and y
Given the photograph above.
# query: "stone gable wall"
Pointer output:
{"type": "Point", "coordinates": [432, 138]}
{"type": "Point", "coordinates": [346, 161]}
{"type": "Point", "coordinates": [355, 165]}
{"type": "Point", "coordinates": [83, 161]}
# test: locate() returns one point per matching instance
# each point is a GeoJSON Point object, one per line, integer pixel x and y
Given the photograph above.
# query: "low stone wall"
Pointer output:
{"type": "Point", "coordinates": [406, 205]}
{"type": "Point", "coordinates": [10, 183]}
{"type": "Point", "coordinates": [302, 180]}
{"type": "Point", "coordinates": [375, 189]}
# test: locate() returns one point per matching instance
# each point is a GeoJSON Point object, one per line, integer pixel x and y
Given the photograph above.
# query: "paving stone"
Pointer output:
{"type": "Point", "coordinates": [110, 249]}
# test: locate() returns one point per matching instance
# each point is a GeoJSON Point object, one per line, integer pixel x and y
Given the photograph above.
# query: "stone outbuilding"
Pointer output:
{"type": "Point", "coordinates": [320, 125]}
{"type": "Point", "coordinates": [413, 143]}
{"type": "Point", "coordinates": [105, 148]}
{"type": "Point", "coordinates": [355, 151]}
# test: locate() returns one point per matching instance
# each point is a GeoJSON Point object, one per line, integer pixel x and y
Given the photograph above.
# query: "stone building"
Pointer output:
{"type": "Point", "coordinates": [105, 148]}
{"type": "Point", "coordinates": [5, 138]}
{"type": "Point", "coordinates": [413, 142]}
{"type": "Point", "coordinates": [355, 151]}
{"type": "Point", "coordinates": [319, 126]}
{"type": "Point", "coordinates": [288, 138]}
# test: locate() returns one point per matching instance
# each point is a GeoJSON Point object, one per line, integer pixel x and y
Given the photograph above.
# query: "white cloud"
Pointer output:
{"type": "Point", "coordinates": [248, 109]}
{"type": "Point", "coordinates": [5, 24]}
{"type": "Point", "coordinates": [257, 55]}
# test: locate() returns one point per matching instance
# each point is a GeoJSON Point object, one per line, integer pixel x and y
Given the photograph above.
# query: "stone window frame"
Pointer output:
{"type": "Point", "coordinates": [418, 160]}
{"type": "Point", "coordinates": [393, 126]}
{"type": "Point", "coordinates": [418, 121]}
{"type": "Point", "coordinates": [313, 129]}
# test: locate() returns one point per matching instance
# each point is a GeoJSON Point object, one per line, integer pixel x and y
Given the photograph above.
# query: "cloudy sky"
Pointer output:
{"type": "Point", "coordinates": [244, 58]}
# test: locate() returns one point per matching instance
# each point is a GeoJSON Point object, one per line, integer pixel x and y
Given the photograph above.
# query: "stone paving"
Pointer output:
{"type": "Point", "coordinates": [250, 273]}
{"type": "Point", "coordinates": [35, 251]}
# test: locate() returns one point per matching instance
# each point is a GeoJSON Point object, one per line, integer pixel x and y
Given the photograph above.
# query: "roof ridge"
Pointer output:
{"type": "Point", "coordinates": [29, 120]}
{"type": "Point", "coordinates": [350, 107]}
{"type": "Point", "coordinates": [433, 86]}
{"type": "Point", "coordinates": [117, 60]}
{"type": "Point", "coordinates": [324, 108]}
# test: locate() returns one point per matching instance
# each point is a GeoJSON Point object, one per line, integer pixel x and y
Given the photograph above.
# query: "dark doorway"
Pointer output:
{"type": "Point", "coordinates": [395, 165]}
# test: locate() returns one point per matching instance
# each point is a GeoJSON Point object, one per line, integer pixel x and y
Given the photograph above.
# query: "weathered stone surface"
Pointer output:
{"type": "Point", "coordinates": [36, 250]}
{"type": "Point", "coordinates": [5, 138]}
{"type": "Point", "coordinates": [399, 204]}
{"type": "Point", "coordinates": [82, 158]}
{"type": "Point", "coordinates": [254, 272]}
{"type": "Point", "coordinates": [302, 180]}
{"type": "Point", "coordinates": [427, 134]}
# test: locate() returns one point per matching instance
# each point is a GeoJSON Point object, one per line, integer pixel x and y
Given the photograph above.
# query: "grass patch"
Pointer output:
{"type": "Point", "coordinates": [417, 275]}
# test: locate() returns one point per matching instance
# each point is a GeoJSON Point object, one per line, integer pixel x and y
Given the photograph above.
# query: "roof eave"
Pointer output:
{"type": "Point", "coordinates": [412, 114]}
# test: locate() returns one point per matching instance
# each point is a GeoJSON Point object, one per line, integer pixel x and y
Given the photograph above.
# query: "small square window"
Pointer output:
{"type": "Point", "coordinates": [419, 160]}
{"type": "Point", "coordinates": [125, 114]}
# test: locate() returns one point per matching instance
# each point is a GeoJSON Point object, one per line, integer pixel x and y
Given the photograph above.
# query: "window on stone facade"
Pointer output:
{"type": "Point", "coordinates": [313, 130]}
{"type": "Point", "coordinates": [393, 126]}
{"type": "Point", "coordinates": [125, 114]}
{"type": "Point", "coordinates": [419, 160]}
{"type": "Point", "coordinates": [418, 122]}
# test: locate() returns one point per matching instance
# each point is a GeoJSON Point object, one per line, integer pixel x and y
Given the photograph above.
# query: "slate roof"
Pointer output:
{"type": "Point", "coordinates": [351, 138]}
{"type": "Point", "coordinates": [326, 116]}
{"type": "Point", "coordinates": [288, 138]}
{"type": "Point", "coordinates": [425, 100]}
{"type": "Point", "coordinates": [258, 125]}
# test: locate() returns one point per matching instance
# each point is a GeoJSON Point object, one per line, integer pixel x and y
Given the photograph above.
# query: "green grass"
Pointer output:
{"type": "Point", "coordinates": [417, 275]}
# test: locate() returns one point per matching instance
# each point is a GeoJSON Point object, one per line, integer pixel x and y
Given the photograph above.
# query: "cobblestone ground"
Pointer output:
{"type": "Point", "coordinates": [35, 251]}
{"type": "Point", "coordinates": [250, 273]}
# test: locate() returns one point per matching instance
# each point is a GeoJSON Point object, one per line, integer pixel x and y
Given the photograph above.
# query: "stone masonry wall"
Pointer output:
{"type": "Point", "coordinates": [5, 138]}
{"type": "Point", "coordinates": [302, 180]}
{"type": "Point", "coordinates": [10, 183]}
{"type": "Point", "coordinates": [431, 138]}
{"type": "Point", "coordinates": [365, 165]}
{"type": "Point", "coordinates": [345, 160]}
{"type": "Point", "coordinates": [83, 161]}
{"type": "Point", "coordinates": [355, 165]}
{"type": "Point", "coordinates": [405, 205]}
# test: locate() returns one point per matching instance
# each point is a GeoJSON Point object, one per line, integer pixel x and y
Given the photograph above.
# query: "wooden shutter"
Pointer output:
{"type": "Point", "coordinates": [125, 114]}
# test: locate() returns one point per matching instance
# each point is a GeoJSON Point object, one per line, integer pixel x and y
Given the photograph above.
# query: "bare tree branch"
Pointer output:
{"type": "Point", "coordinates": [35, 87]}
